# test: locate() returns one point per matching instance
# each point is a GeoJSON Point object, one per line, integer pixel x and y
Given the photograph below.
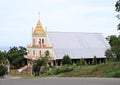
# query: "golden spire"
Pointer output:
{"type": "Point", "coordinates": [39, 29]}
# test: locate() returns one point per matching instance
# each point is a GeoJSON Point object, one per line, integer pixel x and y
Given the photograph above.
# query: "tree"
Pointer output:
{"type": "Point", "coordinates": [37, 66]}
{"type": "Point", "coordinates": [81, 62]}
{"type": "Point", "coordinates": [47, 54]}
{"type": "Point", "coordinates": [3, 69]}
{"type": "Point", "coordinates": [66, 60]}
{"type": "Point", "coordinates": [42, 62]}
{"type": "Point", "coordinates": [3, 56]}
{"type": "Point", "coordinates": [110, 55]}
{"type": "Point", "coordinates": [117, 6]}
{"type": "Point", "coordinates": [47, 57]}
{"type": "Point", "coordinates": [114, 41]}
{"type": "Point", "coordinates": [16, 56]}
{"type": "Point", "coordinates": [94, 60]}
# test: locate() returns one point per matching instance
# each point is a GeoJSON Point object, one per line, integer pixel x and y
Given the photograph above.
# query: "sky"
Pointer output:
{"type": "Point", "coordinates": [17, 17]}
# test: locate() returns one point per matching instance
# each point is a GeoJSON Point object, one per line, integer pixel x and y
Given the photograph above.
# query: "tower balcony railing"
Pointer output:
{"type": "Point", "coordinates": [31, 57]}
{"type": "Point", "coordinates": [39, 46]}
{"type": "Point", "coordinates": [36, 57]}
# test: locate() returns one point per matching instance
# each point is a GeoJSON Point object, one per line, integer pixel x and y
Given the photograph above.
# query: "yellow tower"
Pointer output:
{"type": "Point", "coordinates": [40, 43]}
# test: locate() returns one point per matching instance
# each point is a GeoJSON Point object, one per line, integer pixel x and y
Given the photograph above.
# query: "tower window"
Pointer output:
{"type": "Point", "coordinates": [43, 41]}
{"type": "Point", "coordinates": [39, 41]}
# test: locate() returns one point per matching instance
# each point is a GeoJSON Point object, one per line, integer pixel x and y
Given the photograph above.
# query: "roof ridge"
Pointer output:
{"type": "Point", "coordinates": [75, 32]}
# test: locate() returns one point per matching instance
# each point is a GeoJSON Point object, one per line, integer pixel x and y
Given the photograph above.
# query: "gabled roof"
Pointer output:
{"type": "Point", "coordinates": [77, 44]}
{"type": "Point", "coordinates": [39, 29]}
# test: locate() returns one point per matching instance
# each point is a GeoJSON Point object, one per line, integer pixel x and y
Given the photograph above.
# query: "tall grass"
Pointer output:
{"type": "Point", "coordinates": [101, 70]}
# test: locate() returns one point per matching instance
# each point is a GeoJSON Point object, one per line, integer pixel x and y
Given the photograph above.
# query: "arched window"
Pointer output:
{"type": "Point", "coordinates": [43, 41]}
{"type": "Point", "coordinates": [39, 41]}
{"type": "Point", "coordinates": [33, 52]}
{"type": "Point", "coordinates": [33, 41]}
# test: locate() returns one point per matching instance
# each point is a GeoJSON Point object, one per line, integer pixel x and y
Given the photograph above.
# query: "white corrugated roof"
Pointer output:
{"type": "Point", "coordinates": [77, 44]}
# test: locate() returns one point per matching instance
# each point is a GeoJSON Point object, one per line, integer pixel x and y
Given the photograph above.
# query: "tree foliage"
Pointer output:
{"type": "Point", "coordinates": [3, 69]}
{"type": "Point", "coordinates": [3, 56]}
{"type": "Point", "coordinates": [115, 45]}
{"type": "Point", "coordinates": [16, 56]}
{"type": "Point", "coordinates": [42, 62]}
{"type": "Point", "coordinates": [110, 55]}
{"type": "Point", "coordinates": [37, 66]}
{"type": "Point", "coordinates": [66, 60]}
{"type": "Point", "coordinates": [117, 5]}
{"type": "Point", "coordinates": [94, 60]}
{"type": "Point", "coordinates": [81, 62]}
{"type": "Point", "coordinates": [47, 57]}
{"type": "Point", "coordinates": [118, 26]}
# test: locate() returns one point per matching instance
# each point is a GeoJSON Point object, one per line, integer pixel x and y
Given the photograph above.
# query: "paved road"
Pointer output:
{"type": "Point", "coordinates": [62, 81]}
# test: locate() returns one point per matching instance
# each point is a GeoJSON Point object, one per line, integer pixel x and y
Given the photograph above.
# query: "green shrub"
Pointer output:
{"type": "Point", "coordinates": [63, 69]}
{"type": "Point", "coordinates": [94, 61]}
{"type": "Point", "coordinates": [66, 60]}
{"type": "Point", "coordinates": [57, 71]}
{"type": "Point", "coordinates": [115, 73]}
{"type": "Point", "coordinates": [50, 73]}
{"type": "Point", "coordinates": [81, 62]}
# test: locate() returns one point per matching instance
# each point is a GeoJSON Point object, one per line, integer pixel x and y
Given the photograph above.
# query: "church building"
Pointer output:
{"type": "Point", "coordinates": [76, 44]}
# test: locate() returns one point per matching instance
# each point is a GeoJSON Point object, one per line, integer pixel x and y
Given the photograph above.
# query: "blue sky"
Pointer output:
{"type": "Point", "coordinates": [17, 17]}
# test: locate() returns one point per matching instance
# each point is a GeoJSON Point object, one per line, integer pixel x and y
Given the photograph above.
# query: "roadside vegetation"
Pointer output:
{"type": "Point", "coordinates": [102, 70]}
{"type": "Point", "coordinates": [13, 59]}
{"type": "Point", "coordinates": [109, 69]}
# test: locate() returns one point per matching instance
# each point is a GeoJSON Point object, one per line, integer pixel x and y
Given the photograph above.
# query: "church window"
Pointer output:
{"type": "Point", "coordinates": [33, 41]}
{"type": "Point", "coordinates": [33, 52]}
{"type": "Point", "coordinates": [39, 41]}
{"type": "Point", "coordinates": [43, 41]}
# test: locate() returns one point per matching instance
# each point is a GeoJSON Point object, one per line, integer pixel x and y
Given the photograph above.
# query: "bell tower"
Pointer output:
{"type": "Point", "coordinates": [39, 36]}
{"type": "Point", "coordinates": [40, 44]}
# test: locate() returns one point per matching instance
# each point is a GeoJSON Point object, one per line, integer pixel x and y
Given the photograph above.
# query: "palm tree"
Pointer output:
{"type": "Point", "coordinates": [47, 57]}
{"type": "Point", "coordinates": [42, 64]}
